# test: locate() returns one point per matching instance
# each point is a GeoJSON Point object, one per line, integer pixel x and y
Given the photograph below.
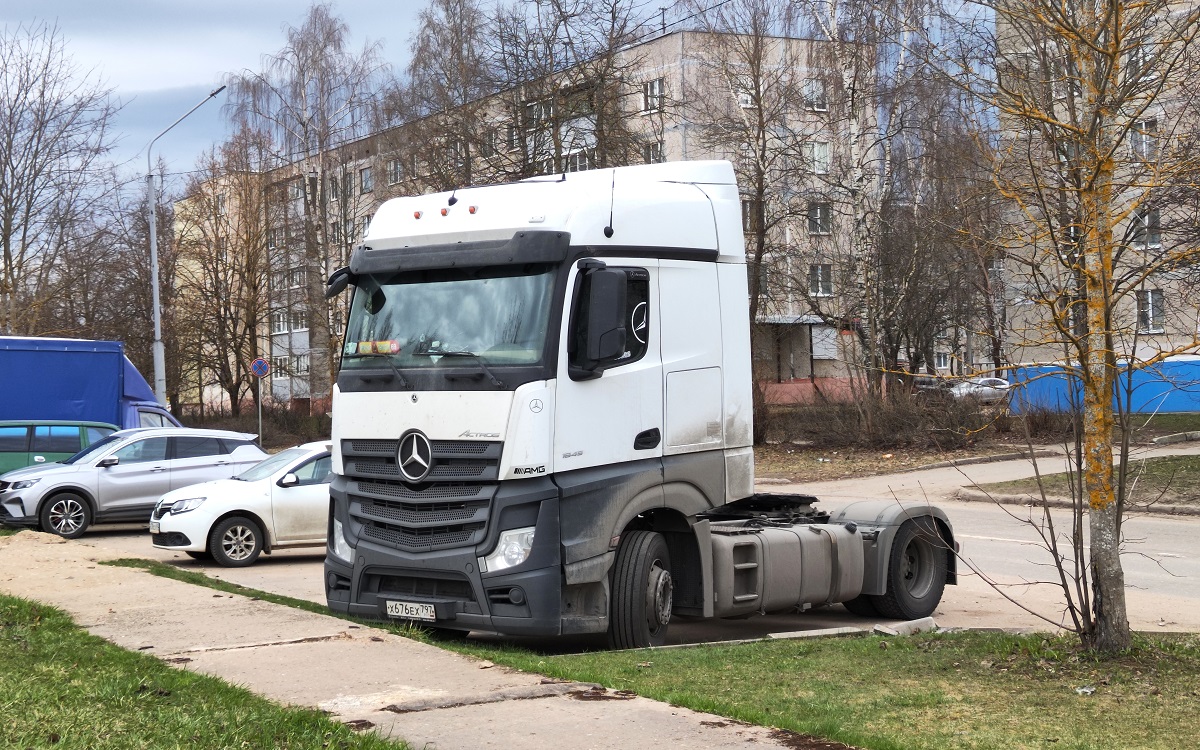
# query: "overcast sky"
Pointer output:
{"type": "Point", "coordinates": [164, 56]}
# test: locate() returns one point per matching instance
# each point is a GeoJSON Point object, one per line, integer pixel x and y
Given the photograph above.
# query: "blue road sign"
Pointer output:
{"type": "Point", "coordinates": [260, 367]}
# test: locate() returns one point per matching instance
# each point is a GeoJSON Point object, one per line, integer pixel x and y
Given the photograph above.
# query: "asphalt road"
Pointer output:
{"type": "Point", "coordinates": [999, 543]}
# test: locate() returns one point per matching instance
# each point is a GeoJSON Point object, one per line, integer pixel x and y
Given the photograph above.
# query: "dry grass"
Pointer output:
{"type": "Point", "coordinates": [797, 463]}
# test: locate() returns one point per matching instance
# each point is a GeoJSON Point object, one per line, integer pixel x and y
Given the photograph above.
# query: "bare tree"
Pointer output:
{"type": "Point", "coordinates": [311, 97]}
{"type": "Point", "coordinates": [53, 137]}
{"type": "Point", "coordinates": [223, 264]}
{"type": "Point", "coordinates": [1082, 93]}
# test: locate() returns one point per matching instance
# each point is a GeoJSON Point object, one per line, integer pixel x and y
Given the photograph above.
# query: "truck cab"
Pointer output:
{"type": "Point", "coordinates": [544, 388]}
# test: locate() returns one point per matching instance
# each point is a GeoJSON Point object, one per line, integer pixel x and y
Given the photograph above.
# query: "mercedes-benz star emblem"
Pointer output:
{"type": "Point", "coordinates": [414, 456]}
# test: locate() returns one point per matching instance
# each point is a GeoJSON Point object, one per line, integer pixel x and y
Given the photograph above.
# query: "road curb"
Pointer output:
{"type": "Point", "coordinates": [1038, 453]}
{"type": "Point", "coordinates": [967, 495]}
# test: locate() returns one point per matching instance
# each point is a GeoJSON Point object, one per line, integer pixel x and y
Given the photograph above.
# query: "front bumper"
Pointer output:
{"type": "Point", "coordinates": [12, 512]}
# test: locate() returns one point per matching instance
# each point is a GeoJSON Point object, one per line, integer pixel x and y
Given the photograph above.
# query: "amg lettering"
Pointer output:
{"type": "Point", "coordinates": [526, 470]}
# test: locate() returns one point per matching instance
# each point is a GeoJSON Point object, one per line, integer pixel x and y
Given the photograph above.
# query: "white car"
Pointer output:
{"type": "Point", "coordinates": [281, 502]}
{"type": "Point", "coordinates": [984, 390]}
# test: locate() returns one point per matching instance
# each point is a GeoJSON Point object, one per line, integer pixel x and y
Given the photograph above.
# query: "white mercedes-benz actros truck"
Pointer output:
{"type": "Point", "coordinates": [542, 423]}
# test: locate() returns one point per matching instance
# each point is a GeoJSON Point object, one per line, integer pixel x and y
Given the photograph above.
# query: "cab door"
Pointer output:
{"type": "Point", "coordinates": [614, 413]}
{"type": "Point", "coordinates": [300, 511]}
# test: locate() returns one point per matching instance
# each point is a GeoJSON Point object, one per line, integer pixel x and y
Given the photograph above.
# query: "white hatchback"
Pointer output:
{"type": "Point", "coordinates": [281, 502]}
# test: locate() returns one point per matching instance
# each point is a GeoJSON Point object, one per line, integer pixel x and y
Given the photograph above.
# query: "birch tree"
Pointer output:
{"type": "Point", "coordinates": [1086, 108]}
{"type": "Point", "coordinates": [311, 97]}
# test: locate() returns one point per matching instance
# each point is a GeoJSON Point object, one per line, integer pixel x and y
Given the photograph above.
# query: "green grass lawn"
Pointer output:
{"type": "Point", "coordinates": [1170, 480]}
{"type": "Point", "coordinates": [61, 687]}
{"type": "Point", "coordinates": [962, 690]}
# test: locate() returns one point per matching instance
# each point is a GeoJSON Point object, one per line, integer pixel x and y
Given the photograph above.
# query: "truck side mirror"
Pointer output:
{"type": "Point", "coordinates": [338, 281]}
{"type": "Point", "coordinates": [606, 315]}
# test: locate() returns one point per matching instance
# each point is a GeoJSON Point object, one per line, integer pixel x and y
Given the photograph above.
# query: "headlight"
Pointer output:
{"type": "Point", "coordinates": [183, 506]}
{"type": "Point", "coordinates": [512, 550]}
{"type": "Point", "coordinates": [338, 544]}
{"type": "Point", "coordinates": [24, 484]}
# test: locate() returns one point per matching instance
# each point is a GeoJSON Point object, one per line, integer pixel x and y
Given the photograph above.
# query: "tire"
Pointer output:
{"type": "Point", "coordinates": [862, 606]}
{"type": "Point", "coordinates": [235, 542]}
{"type": "Point", "coordinates": [67, 515]}
{"type": "Point", "coordinates": [197, 555]}
{"type": "Point", "coordinates": [642, 592]}
{"type": "Point", "coordinates": [916, 571]}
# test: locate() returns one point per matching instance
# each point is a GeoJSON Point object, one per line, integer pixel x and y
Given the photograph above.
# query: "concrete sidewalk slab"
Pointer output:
{"type": "Point", "coordinates": [434, 699]}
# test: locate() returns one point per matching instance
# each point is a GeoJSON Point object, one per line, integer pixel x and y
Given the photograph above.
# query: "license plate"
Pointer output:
{"type": "Point", "coordinates": [411, 611]}
{"type": "Point", "coordinates": [154, 527]}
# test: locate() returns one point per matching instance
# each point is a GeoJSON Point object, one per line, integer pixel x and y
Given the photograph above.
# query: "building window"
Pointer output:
{"type": "Point", "coordinates": [653, 152]}
{"type": "Point", "coordinates": [272, 239]}
{"type": "Point", "coordinates": [653, 96]}
{"type": "Point", "coordinates": [941, 360]}
{"type": "Point", "coordinates": [279, 321]}
{"type": "Point", "coordinates": [578, 161]}
{"type": "Point", "coordinates": [1147, 232]}
{"type": "Point", "coordinates": [490, 145]}
{"type": "Point", "coordinates": [300, 364]}
{"type": "Point", "coordinates": [745, 99]}
{"type": "Point", "coordinates": [335, 232]}
{"type": "Point", "coordinates": [538, 113]}
{"type": "Point", "coordinates": [366, 224]}
{"type": "Point", "coordinates": [296, 189]}
{"type": "Point", "coordinates": [298, 321]}
{"type": "Point", "coordinates": [750, 211]}
{"type": "Point", "coordinates": [820, 218]}
{"type": "Point", "coordinates": [279, 368]}
{"type": "Point", "coordinates": [220, 204]}
{"type": "Point", "coordinates": [297, 277]}
{"type": "Point", "coordinates": [1150, 310]}
{"type": "Point", "coordinates": [814, 95]}
{"type": "Point", "coordinates": [334, 192]}
{"type": "Point", "coordinates": [348, 227]}
{"type": "Point", "coordinates": [820, 279]}
{"type": "Point", "coordinates": [1144, 140]}
{"type": "Point", "coordinates": [512, 137]}
{"type": "Point", "coordinates": [395, 171]}
{"type": "Point", "coordinates": [366, 182]}
{"type": "Point", "coordinates": [817, 154]}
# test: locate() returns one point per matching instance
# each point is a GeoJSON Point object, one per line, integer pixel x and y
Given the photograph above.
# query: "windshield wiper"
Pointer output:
{"type": "Point", "coordinates": [464, 353]}
{"type": "Point", "coordinates": [385, 358]}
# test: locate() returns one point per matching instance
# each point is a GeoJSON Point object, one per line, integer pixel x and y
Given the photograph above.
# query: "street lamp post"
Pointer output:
{"type": "Point", "coordinates": [160, 367]}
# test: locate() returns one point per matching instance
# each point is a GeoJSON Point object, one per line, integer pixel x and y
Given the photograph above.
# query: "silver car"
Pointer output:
{"type": "Point", "coordinates": [120, 478]}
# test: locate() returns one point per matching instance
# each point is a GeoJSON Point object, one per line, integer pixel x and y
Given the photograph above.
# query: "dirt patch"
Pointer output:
{"type": "Point", "coordinates": [601, 694]}
{"type": "Point", "coordinates": [798, 741]}
{"type": "Point", "coordinates": [800, 464]}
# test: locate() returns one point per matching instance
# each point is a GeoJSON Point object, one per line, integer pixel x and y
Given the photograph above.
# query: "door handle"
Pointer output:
{"type": "Point", "coordinates": [647, 440]}
{"type": "Point", "coordinates": [157, 469]}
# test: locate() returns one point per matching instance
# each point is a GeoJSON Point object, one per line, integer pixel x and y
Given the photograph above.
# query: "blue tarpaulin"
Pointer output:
{"type": "Point", "coordinates": [1165, 387]}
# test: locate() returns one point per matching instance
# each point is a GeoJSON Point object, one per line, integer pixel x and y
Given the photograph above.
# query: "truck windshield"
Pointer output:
{"type": "Point", "coordinates": [498, 315]}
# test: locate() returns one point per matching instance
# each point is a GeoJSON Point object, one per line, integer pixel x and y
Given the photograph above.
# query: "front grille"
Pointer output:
{"type": "Point", "coordinates": [422, 539]}
{"type": "Point", "coordinates": [451, 508]}
{"type": "Point", "coordinates": [159, 512]}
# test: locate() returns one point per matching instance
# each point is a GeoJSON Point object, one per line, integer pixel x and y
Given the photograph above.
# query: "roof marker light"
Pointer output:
{"type": "Point", "coordinates": [416, 214]}
{"type": "Point", "coordinates": [445, 212]}
{"type": "Point", "coordinates": [472, 209]}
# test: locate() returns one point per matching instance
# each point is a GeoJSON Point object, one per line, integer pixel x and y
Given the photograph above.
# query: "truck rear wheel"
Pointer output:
{"type": "Point", "coordinates": [642, 592]}
{"type": "Point", "coordinates": [916, 571]}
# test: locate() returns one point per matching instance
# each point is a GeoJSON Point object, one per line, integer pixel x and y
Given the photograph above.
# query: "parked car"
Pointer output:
{"type": "Point", "coordinates": [984, 390]}
{"type": "Point", "coordinates": [24, 442]}
{"type": "Point", "coordinates": [281, 502]}
{"type": "Point", "coordinates": [119, 478]}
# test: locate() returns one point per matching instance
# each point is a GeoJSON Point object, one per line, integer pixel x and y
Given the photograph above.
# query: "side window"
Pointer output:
{"type": "Point", "coordinates": [14, 439]}
{"type": "Point", "coordinates": [96, 434]}
{"type": "Point", "coordinates": [315, 471]}
{"type": "Point", "coordinates": [637, 319]}
{"type": "Point", "coordinates": [55, 439]}
{"type": "Point", "coordinates": [152, 419]}
{"type": "Point", "coordinates": [150, 449]}
{"type": "Point", "coordinates": [197, 447]}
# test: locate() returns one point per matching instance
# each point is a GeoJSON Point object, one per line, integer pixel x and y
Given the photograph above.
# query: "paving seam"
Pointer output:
{"type": "Point", "coordinates": [552, 690]}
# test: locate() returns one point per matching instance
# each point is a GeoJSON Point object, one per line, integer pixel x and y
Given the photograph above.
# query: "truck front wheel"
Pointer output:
{"type": "Point", "coordinates": [642, 592]}
{"type": "Point", "coordinates": [916, 571]}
